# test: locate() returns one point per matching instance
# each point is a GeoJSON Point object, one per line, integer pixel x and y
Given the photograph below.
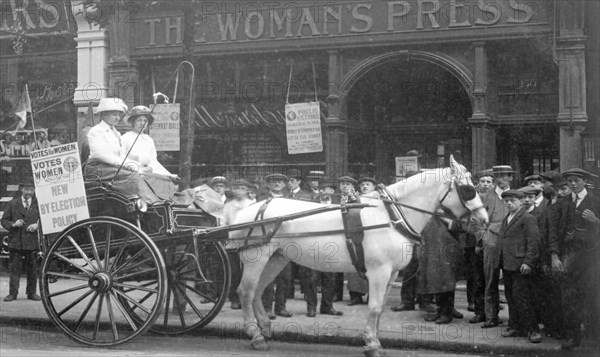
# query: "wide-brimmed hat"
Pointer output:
{"type": "Point", "coordinates": [532, 178]}
{"type": "Point", "coordinates": [111, 104]}
{"type": "Point", "coordinates": [502, 169]}
{"type": "Point", "coordinates": [513, 193]}
{"type": "Point", "coordinates": [276, 176]}
{"type": "Point", "coordinates": [315, 175]}
{"type": "Point", "coordinates": [294, 173]}
{"type": "Point", "coordinates": [140, 110]}
{"type": "Point", "coordinates": [347, 178]}
{"type": "Point", "coordinates": [367, 178]}
{"type": "Point", "coordinates": [579, 173]}
{"type": "Point", "coordinates": [533, 190]}
{"type": "Point", "coordinates": [219, 179]}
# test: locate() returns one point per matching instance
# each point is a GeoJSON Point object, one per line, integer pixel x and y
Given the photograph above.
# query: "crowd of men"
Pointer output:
{"type": "Point", "coordinates": [541, 243]}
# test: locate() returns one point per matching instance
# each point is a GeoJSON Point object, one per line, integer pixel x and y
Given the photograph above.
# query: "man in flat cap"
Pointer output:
{"type": "Point", "coordinates": [21, 218]}
{"type": "Point", "coordinates": [294, 185]}
{"type": "Point", "coordinates": [519, 237]}
{"type": "Point", "coordinates": [574, 251]}
{"type": "Point", "coordinates": [277, 183]}
{"type": "Point", "coordinates": [487, 238]}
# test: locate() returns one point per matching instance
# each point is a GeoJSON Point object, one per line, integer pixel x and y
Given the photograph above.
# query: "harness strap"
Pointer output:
{"type": "Point", "coordinates": [260, 214]}
{"type": "Point", "coordinates": [398, 219]}
{"type": "Point", "coordinates": [354, 238]}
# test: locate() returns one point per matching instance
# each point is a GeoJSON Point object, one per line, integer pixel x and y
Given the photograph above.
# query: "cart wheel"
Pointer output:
{"type": "Point", "coordinates": [98, 263]}
{"type": "Point", "coordinates": [198, 284]}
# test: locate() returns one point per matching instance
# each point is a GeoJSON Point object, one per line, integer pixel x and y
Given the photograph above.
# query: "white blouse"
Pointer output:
{"type": "Point", "coordinates": [143, 152]}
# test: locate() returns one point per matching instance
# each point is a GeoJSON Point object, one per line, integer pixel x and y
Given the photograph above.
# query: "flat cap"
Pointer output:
{"type": "Point", "coordinates": [275, 177]}
{"type": "Point", "coordinates": [347, 178]}
{"type": "Point", "coordinates": [578, 172]}
{"type": "Point", "coordinates": [242, 182]}
{"type": "Point", "coordinates": [531, 190]}
{"type": "Point", "coordinates": [219, 179]}
{"type": "Point", "coordinates": [367, 178]}
{"type": "Point", "coordinates": [487, 172]}
{"type": "Point", "coordinates": [502, 169]}
{"type": "Point", "coordinates": [549, 175]}
{"type": "Point", "coordinates": [532, 178]}
{"type": "Point", "coordinates": [513, 193]}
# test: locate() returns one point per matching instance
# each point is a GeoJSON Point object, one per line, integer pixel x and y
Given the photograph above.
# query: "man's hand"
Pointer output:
{"type": "Point", "coordinates": [525, 269]}
{"type": "Point", "coordinates": [32, 227]}
{"type": "Point", "coordinates": [146, 170]}
{"type": "Point", "coordinates": [590, 216]}
{"type": "Point", "coordinates": [18, 223]}
{"type": "Point", "coordinates": [557, 264]}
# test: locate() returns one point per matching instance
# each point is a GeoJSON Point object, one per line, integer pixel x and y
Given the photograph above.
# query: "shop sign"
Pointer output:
{"type": "Point", "coordinates": [165, 129]}
{"type": "Point", "coordinates": [303, 128]}
{"type": "Point", "coordinates": [229, 22]}
{"type": "Point", "coordinates": [59, 187]}
{"type": "Point", "coordinates": [405, 164]}
{"type": "Point", "coordinates": [36, 16]}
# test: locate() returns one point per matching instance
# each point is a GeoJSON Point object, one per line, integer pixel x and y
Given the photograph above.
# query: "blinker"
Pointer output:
{"type": "Point", "coordinates": [466, 192]}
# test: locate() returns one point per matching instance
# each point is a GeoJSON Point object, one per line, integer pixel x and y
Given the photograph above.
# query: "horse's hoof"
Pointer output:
{"type": "Point", "coordinates": [259, 344]}
{"type": "Point", "coordinates": [374, 352]}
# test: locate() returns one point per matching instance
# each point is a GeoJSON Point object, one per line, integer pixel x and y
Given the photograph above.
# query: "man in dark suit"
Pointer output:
{"type": "Point", "coordinates": [574, 254]}
{"type": "Point", "coordinates": [21, 220]}
{"type": "Point", "coordinates": [519, 236]}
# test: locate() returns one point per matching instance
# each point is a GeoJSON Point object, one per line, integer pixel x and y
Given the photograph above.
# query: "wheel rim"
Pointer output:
{"type": "Point", "coordinates": [197, 286]}
{"type": "Point", "coordinates": [92, 267]}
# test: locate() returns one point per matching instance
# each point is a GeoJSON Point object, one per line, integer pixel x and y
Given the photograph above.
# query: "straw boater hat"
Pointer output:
{"type": "Point", "coordinates": [219, 179]}
{"type": "Point", "coordinates": [111, 104]}
{"type": "Point", "coordinates": [315, 175]}
{"type": "Point", "coordinates": [502, 169]}
{"type": "Point", "coordinates": [138, 111]}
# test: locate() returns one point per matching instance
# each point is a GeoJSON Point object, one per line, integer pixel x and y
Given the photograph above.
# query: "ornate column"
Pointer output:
{"type": "Point", "coordinates": [483, 134]}
{"type": "Point", "coordinates": [572, 113]}
{"type": "Point", "coordinates": [336, 128]}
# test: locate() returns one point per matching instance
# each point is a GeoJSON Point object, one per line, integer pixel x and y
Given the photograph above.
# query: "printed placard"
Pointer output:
{"type": "Point", "coordinates": [165, 129]}
{"type": "Point", "coordinates": [59, 187]}
{"type": "Point", "coordinates": [405, 164]}
{"type": "Point", "coordinates": [303, 128]}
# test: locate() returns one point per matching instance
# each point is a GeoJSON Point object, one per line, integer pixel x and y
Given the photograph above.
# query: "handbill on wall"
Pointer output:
{"type": "Point", "coordinates": [303, 128]}
{"type": "Point", "coordinates": [165, 129]}
{"type": "Point", "coordinates": [404, 164]}
{"type": "Point", "coordinates": [59, 187]}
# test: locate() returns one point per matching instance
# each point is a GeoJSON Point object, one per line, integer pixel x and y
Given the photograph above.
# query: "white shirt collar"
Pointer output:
{"type": "Point", "coordinates": [538, 200]}
{"type": "Point", "coordinates": [25, 201]}
{"type": "Point", "coordinates": [296, 190]}
{"type": "Point", "coordinates": [499, 191]}
{"type": "Point", "coordinates": [276, 194]}
{"type": "Point", "coordinates": [531, 208]}
{"type": "Point", "coordinates": [581, 195]}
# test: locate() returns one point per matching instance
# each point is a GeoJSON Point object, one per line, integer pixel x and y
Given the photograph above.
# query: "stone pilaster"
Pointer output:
{"type": "Point", "coordinates": [336, 129]}
{"type": "Point", "coordinates": [483, 134]}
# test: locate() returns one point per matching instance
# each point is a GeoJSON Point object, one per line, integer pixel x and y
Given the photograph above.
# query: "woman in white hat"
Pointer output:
{"type": "Point", "coordinates": [143, 150]}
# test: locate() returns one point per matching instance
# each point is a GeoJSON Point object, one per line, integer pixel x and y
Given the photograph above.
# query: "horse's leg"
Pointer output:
{"type": "Point", "coordinates": [269, 273]}
{"type": "Point", "coordinates": [255, 260]}
{"type": "Point", "coordinates": [378, 281]}
{"type": "Point", "coordinates": [387, 293]}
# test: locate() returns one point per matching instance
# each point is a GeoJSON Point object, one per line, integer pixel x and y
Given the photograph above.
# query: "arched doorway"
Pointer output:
{"type": "Point", "coordinates": [407, 103]}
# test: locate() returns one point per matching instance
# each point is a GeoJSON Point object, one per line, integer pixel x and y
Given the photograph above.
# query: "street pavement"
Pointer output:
{"type": "Point", "coordinates": [405, 330]}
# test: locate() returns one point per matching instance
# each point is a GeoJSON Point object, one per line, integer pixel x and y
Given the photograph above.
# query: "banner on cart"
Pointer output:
{"type": "Point", "coordinates": [59, 187]}
{"type": "Point", "coordinates": [303, 128]}
{"type": "Point", "coordinates": [165, 129]}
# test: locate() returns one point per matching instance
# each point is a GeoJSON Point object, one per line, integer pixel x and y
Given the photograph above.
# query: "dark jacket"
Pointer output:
{"type": "Point", "coordinates": [19, 237]}
{"type": "Point", "coordinates": [300, 195]}
{"type": "Point", "coordinates": [570, 230]}
{"type": "Point", "coordinates": [520, 241]}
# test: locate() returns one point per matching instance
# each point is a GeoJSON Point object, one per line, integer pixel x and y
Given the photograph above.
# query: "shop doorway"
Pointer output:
{"type": "Point", "coordinates": [407, 105]}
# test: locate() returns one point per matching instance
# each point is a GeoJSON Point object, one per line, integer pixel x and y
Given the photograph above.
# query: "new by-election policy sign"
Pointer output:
{"type": "Point", "coordinates": [165, 129]}
{"type": "Point", "coordinates": [59, 187]}
{"type": "Point", "coordinates": [303, 127]}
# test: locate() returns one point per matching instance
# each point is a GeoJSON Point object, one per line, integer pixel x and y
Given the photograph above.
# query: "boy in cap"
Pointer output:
{"type": "Point", "coordinates": [241, 200]}
{"type": "Point", "coordinates": [293, 185]}
{"type": "Point", "coordinates": [312, 181]}
{"type": "Point", "coordinates": [530, 198]}
{"type": "Point", "coordinates": [20, 219]}
{"type": "Point", "coordinates": [574, 250]}
{"type": "Point", "coordinates": [277, 183]}
{"type": "Point", "coordinates": [219, 184]}
{"type": "Point", "coordinates": [520, 240]}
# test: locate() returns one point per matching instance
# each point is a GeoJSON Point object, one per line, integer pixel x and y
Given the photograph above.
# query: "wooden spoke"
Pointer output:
{"type": "Point", "coordinates": [135, 273]}
{"type": "Point", "coordinates": [94, 247]}
{"type": "Point", "coordinates": [119, 253]}
{"type": "Point", "coordinates": [70, 306]}
{"type": "Point", "coordinates": [123, 311]}
{"type": "Point", "coordinates": [111, 317]}
{"type": "Point", "coordinates": [85, 312]}
{"type": "Point", "coordinates": [135, 287]}
{"type": "Point", "coordinates": [70, 276]}
{"type": "Point", "coordinates": [132, 300]}
{"type": "Point", "coordinates": [70, 290]}
{"type": "Point", "coordinates": [209, 298]}
{"type": "Point", "coordinates": [129, 266]}
{"type": "Point", "coordinates": [190, 302]}
{"type": "Point", "coordinates": [177, 301]}
{"type": "Point", "coordinates": [132, 259]}
{"type": "Point", "coordinates": [71, 262]}
{"type": "Point", "coordinates": [98, 315]}
{"type": "Point", "coordinates": [83, 255]}
{"type": "Point", "coordinates": [166, 319]}
{"type": "Point", "coordinates": [107, 245]}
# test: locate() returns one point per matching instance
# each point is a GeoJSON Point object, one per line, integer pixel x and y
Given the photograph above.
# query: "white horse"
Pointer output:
{"type": "Point", "coordinates": [386, 251]}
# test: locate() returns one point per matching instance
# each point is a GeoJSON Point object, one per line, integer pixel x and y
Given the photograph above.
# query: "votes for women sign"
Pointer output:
{"type": "Point", "coordinates": [59, 187]}
{"type": "Point", "coordinates": [165, 129]}
{"type": "Point", "coordinates": [303, 128]}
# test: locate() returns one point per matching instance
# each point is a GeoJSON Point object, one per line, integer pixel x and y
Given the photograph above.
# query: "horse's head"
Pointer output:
{"type": "Point", "coordinates": [460, 197]}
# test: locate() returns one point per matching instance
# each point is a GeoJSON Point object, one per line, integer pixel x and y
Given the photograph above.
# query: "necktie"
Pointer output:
{"type": "Point", "coordinates": [575, 198]}
{"type": "Point", "coordinates": [26, 205]}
